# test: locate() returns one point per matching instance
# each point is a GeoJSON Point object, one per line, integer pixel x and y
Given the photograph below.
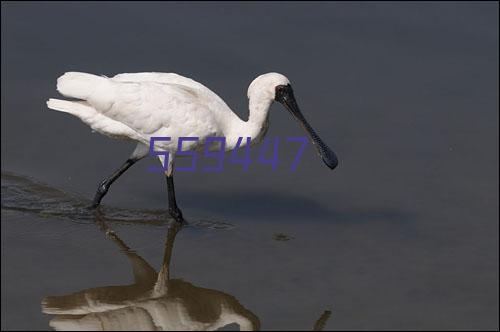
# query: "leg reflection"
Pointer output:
{"type": "Point", "coordinates": [152, 302]}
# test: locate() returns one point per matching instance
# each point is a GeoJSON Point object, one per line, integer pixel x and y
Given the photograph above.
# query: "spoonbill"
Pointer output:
{"type": "Point", "coordinates": [138, 106]}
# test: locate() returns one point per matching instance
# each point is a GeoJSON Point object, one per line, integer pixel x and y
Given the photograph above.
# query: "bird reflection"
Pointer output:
{"type": "Point", "coordinates": [152, 302]}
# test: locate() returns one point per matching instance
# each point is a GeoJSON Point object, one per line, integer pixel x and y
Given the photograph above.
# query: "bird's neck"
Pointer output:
{"type": "Point", "coordinates": [257, 124]}
{"type": "Point", "coordinates": [258, 116]}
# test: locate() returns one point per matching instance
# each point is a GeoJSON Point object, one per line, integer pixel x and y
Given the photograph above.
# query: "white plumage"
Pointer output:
{"type": "Point", "coordinates": [140, 106]}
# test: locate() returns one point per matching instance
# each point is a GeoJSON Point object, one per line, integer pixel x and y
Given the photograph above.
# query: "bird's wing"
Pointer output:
{"type": "Point", "coordinates": [173, 78]}
{"type": "Point", "coordinates": [148, 108]}
{"type": "Point", "coordinates": [156, 109]}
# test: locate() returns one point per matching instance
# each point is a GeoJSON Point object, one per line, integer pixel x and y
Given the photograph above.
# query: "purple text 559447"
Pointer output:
{"type": "Point", "coordinates": [268, 153]}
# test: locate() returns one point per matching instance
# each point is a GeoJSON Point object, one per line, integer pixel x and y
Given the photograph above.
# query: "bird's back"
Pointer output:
{"type": "Point", "coordinates": [218, 106]}
{"type": "Point", "coordinates": [173, 78]}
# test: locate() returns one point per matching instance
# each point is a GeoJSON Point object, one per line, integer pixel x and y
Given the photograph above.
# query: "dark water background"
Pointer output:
{"type": "Point", "coordinates": [403, 235]}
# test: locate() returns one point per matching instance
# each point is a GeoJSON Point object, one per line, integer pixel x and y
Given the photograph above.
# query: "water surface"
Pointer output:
{"type": "Point", "coordinates": [402, 235]}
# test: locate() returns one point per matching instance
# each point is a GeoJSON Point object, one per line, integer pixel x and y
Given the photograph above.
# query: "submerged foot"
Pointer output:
{"type": "Point", "coordinates": [177, 215]}
{"type": "Point", "coordinates": [94, 205]}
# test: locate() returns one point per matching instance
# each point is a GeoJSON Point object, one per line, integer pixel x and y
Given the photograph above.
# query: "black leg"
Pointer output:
{"type": "Point", "coordinates": [106, 183]}
{"type": "Point", "coordinates": [173, 209]}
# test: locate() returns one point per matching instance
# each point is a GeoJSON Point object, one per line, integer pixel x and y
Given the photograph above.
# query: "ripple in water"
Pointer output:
{"type": "Point", "coordinates": [24, 194]}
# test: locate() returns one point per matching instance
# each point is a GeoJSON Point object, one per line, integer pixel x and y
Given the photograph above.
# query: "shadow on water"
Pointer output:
{"type": "Point", "coordinates": [280, 206]}
{"type": "Point", "coordinates": [152, 302]}
{"type": "Point", "coordinates": [25, 194]}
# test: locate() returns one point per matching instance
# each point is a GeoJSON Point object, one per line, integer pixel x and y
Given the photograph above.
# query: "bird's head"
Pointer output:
{"type": "Point", "coordinates": [265, 85]}
{"type": "Point", "coordinates": [276, 87]}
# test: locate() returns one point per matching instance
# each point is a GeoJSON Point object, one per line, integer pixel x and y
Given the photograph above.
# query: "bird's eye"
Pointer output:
{"type": "Point", "coordinates": [280, 89]}
{"type": "Point", "coordinates": [281, 92]}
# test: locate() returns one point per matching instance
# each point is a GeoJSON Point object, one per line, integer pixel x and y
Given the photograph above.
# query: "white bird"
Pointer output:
{"type": "Point", "coordinates": [139, 106]}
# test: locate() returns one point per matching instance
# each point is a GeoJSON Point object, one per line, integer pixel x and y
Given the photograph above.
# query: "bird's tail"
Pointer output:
{"type": "Point", "coordinates": [79, 85]}
{"type": "Point", "coordinates": [79, 108]}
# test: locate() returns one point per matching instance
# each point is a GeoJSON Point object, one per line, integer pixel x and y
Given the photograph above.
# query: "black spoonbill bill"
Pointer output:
{"type": "Point", "coordinates": [139, 106]}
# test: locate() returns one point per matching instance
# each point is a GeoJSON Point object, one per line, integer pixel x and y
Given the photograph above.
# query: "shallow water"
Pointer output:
{"type": "Point", "coordinates": [403, 235]}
